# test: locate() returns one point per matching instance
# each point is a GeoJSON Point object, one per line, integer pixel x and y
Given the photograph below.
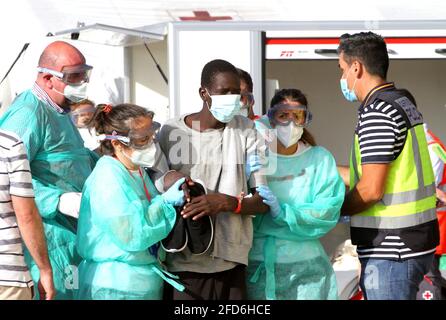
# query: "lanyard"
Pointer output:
{"type": "Point", "coordinates": [142, 178]}
{"type": "Point", "coordinates": [144, 183]}
{"type": "Point", "coordinates": [153, 249]}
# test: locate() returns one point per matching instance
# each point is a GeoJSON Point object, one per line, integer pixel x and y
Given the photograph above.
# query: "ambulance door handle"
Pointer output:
{"type": "Point", "coordinates": [441, 50]}
{"type": "Point", "coordinates": [390, 51]}
{"type": "Point", "coordinates": [325, 51]}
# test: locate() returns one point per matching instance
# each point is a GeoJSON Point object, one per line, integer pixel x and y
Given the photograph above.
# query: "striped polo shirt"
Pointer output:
{"type": "Point", "coordinates": [382, 133]}
{"type": "Point", "coordinates": [15, 179]}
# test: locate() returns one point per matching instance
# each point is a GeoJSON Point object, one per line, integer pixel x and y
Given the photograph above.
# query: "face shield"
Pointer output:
{"type": "Point", "coordinates": [138, 137]}
{"type": "Point", "coordinates": [71, 75]}
{"type": "Point", "coordinates": [82, 115]}
{"type": "Point", "coordinates": [283, 114]}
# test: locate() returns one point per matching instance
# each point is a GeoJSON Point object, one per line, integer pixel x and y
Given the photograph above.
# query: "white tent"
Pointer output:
{"type": "Point", "coordinates": [29, 21]}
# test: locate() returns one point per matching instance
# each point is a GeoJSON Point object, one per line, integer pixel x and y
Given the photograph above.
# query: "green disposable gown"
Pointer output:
{"type": "Point", "coordinates": [59, 164]}
{"type": "Point", "coordinates": [117, 226]}
{"type": "Point", "coordinates": [287, 260]}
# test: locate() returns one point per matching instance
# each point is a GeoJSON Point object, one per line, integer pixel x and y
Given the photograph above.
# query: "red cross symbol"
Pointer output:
{"type": "Point", "coordinates": [427, 295]}
{"type": "Point", "coordinates": [204, 16]}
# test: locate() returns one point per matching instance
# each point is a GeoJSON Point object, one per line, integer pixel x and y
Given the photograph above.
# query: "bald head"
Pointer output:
{"type": "Point", "coordinates": [60, 54]}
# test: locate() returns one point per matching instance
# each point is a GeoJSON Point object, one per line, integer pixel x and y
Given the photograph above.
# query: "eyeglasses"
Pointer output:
{"type": "Point", "coordinates": [84, 111]}
{"type": "Point", "coordinates": [135, 140]}
{"type": "Point", "coordinates": [70, 75]}
{"type": "Point", "coordinates": [85, 115]}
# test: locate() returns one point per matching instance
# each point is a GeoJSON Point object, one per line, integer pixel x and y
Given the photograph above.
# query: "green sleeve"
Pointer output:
{"type": "Point", "coordinates": [313, 219]}
{"type": "Point", "coordinates": [25, 120]}
{"type": "Point", "coordinates": [47, 199]}
{"type": "Point", "coordinates": [120, 213]}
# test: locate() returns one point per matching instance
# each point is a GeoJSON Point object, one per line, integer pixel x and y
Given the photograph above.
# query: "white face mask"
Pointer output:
{"type": "Point", "coordinates": [225, 106]}
{"type": "Point", "coordinates": [143, 157]}
{"type": "Point", "coordinates": [75, 93]}
{"type": "Point", "coordinates": [289, 134]}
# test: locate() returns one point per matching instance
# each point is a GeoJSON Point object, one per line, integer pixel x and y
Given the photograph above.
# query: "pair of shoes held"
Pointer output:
{"type": "Point", "coordinates": [197, 235]}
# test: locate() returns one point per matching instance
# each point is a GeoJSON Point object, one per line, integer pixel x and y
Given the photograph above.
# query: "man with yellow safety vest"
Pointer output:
{"type": "Point", "coordinates": [392, 188]}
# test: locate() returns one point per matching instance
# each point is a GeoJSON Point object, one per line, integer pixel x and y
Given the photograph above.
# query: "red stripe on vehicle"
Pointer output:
{"type": "Point", "coordinates": [406, 40]}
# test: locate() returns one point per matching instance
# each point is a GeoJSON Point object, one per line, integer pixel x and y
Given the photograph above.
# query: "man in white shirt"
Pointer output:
{"type": "Point", "coordinates": [20, 222]}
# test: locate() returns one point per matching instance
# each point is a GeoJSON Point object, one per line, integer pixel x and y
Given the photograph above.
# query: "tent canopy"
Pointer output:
{"type": "Point", "coordinates": [121, 22]}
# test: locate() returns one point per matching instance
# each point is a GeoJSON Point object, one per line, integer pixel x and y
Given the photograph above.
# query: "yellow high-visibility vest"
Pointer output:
{"type": "Point", "coordinates": [409, 195]}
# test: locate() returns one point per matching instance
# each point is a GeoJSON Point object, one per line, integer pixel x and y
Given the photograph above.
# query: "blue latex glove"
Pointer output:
{"type": "Point", "coordinates": [269, 199]}
{"type": "Point", "coordinates": [252, 164]}
{"type": "Point", "coordinates": [174, 195]}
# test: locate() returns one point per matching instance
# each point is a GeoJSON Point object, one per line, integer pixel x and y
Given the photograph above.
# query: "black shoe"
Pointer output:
{"type": "Point", "coordinates": [200, 232]}
{"type": "Point", "coordinates": [176, 240]}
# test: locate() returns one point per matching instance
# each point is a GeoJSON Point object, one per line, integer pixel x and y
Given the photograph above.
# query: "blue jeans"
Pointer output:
{"type": "Point", "coordinates": [393, 280]}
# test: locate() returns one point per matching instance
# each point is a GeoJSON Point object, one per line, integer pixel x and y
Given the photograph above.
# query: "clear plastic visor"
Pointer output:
{"type": "Point", "coordinates": [283, 114]}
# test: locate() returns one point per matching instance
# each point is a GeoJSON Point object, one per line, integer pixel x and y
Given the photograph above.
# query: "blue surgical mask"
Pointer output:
{"type": "Point", "coordinates": [224, 107]}
{"type": "Point", "coordinates": [348, 94]}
